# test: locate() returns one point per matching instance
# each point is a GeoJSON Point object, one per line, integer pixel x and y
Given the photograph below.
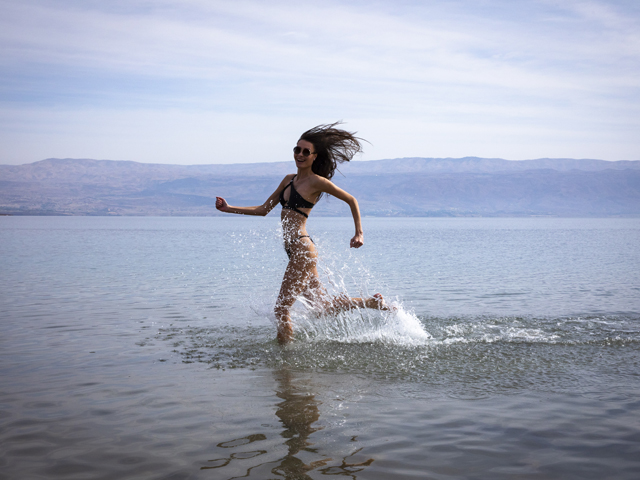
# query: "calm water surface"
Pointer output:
{"type": "Point", "coordinates": [144, 348]}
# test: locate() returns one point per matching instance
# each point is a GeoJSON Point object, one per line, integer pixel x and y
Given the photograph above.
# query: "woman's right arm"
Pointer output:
{"type": "Point", "coordinates": [260, 210]}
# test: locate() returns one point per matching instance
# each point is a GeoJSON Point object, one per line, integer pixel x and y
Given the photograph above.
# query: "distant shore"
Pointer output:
{"type": "Point", "coordinates": [404, 187]}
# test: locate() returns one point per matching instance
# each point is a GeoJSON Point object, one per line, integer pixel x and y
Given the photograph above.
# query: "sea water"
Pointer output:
{"type": "Point", "coordinates": [145, 348]}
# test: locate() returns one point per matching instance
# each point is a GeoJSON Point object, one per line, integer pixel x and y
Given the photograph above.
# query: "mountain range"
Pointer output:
{"type": "Point", "coordinates": [469, 186]}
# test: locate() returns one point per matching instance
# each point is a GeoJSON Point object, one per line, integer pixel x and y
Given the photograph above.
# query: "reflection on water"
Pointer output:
{"type": "Point", "coordinates": [298, 412]}
{"type": "Point", "coordinates": [238, 442]}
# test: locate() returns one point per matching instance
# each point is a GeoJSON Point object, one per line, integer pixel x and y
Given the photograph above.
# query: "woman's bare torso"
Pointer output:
{"type": "Point", "coordinates": [294, 225]}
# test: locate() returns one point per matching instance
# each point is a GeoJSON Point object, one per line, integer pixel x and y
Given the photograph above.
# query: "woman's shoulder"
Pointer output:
{"type": "Point", "coordinates": [319, 181]}
{"type": "Point", "coordinates": [287, 178]}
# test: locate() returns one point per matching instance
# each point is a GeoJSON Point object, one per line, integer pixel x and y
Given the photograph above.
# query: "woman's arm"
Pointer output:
{"type": "Point", "coordinates": [261, 210]}
{"type": "Point", "coordinates": [327, 186]}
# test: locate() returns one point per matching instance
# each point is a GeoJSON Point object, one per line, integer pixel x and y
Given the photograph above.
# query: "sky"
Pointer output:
{"type": "Point", "coordinates": [235, 81]}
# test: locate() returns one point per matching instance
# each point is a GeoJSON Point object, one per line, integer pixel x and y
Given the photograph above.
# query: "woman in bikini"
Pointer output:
{"type": "Point", "coordinates": [317, 154]}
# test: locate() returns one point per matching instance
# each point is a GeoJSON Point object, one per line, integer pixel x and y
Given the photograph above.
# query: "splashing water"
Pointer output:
{"type": "Point", "coordinates": [396, 326]}
{"type": "Point", "coordinates": [341, 278]}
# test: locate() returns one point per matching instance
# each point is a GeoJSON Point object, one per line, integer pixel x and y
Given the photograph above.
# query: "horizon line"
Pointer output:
{"type": "Point", "coordinates": [287, 161]}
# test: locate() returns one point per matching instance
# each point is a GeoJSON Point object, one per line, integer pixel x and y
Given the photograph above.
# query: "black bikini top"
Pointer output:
{"type": "Point", "coordinates": [295, 201]}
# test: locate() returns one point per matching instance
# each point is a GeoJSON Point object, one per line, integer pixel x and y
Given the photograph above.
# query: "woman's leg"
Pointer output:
{"type": "Point", "coordinates": [325, 303]}
{"type": "Point", "coordinates": [300, 276]}
{"type": "Point", "coordinates": [342, 303]}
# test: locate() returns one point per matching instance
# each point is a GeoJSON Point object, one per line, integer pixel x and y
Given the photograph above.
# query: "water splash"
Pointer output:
{"type": "Point", "coordinates": [460, 356]}
{"type": "Point", "coordinates": [397, 327]}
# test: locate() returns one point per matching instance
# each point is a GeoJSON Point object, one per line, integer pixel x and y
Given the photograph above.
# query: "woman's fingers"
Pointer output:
{"type": "Point", "coordinates": [357, 241]}
{"type": "Point", "coordinates": [221, 203]}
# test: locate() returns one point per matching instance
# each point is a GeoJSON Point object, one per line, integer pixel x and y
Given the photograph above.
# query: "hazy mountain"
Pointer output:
{"type": "Point", "coordinates": [406, 186]}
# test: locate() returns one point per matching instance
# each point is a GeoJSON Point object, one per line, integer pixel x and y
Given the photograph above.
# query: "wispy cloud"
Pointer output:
{"type": "Point", "coordinates": [197, 81]}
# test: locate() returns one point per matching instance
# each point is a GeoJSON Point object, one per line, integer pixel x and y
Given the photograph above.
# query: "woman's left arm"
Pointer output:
{"type": "Point", "coordinates": [327, 186]}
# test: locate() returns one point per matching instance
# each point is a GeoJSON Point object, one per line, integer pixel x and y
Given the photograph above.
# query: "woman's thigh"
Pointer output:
{"type": "Point", "coordinates": [301, 274]}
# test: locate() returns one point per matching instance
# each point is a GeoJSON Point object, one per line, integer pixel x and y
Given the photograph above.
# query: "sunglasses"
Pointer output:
{"type": "Point", "coordinates": [305, 151]}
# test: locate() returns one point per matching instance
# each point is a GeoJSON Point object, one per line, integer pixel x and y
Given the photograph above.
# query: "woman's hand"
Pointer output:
{"type": "Point", "coordinates": [221, 204]}
{"type": "Point", "coordinates": [357, 241]}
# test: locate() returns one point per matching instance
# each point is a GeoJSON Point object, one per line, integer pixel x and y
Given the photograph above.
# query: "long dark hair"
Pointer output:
{"type": "Point", "coordinates": [333, 146]}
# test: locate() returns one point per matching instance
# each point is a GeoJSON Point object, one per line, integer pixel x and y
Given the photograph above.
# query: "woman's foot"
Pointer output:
{"type": "Point", "coordinates": [285, 333]}
{"type": "Point", "coordinates": [377, 302]}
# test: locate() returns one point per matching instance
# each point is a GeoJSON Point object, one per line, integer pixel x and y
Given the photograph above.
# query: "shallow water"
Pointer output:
{"type": "Point", "coordinates": [144, 348]}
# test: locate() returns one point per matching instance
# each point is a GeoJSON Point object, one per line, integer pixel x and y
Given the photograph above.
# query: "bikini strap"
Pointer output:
{"type": "Point", "coordinates": [296, 210]}
{"type": "Point", "coordinates": [286, 205]}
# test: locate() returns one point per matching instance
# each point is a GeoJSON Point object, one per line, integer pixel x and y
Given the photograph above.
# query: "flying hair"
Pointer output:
{"type": "Point", "coordinates": [333, 146]}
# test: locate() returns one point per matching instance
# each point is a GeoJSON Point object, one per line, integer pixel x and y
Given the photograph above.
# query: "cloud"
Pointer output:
{"type": "Point", "coordinates": [512, 79]}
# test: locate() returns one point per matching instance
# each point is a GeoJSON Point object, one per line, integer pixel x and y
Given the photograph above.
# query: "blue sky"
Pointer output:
{"type": "Point", "coordinates": [206, 81]}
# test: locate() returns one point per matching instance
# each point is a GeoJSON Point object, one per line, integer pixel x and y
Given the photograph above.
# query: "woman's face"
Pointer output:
{"type": "Point", "coordinates": [301, 148]}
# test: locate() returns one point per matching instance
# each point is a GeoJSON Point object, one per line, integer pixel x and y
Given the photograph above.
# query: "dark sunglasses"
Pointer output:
{"type": "Point", "coordinates": [305, 151]}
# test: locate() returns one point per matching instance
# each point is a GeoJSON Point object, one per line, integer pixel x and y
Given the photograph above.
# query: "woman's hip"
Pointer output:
{"type": "Point", "coordinates": [302, 246]}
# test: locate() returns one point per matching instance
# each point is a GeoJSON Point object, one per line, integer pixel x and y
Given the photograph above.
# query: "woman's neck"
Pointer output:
{"type": "Point", "coordinates": [304, 172]}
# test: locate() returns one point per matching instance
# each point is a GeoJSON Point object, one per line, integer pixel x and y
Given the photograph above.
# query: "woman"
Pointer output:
{"type": "Point", "coordinates": [317, 154]}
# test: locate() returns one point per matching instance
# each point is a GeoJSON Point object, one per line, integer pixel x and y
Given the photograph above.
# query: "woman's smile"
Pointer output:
{"type": "Point", "coordinates": [304, 152]}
